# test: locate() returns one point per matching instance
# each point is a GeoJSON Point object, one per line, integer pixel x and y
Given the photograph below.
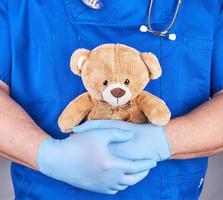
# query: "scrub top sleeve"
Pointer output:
{"type": "Point", "coordinates": [5, 45]}
{"type": "Point", "coordinates": [217, 59]}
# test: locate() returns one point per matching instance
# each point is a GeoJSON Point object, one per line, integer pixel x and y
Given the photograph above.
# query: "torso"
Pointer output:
{"type": "Point", "coordinates": [45, 34]}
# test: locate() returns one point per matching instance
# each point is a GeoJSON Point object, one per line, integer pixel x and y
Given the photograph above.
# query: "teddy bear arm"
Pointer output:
{"type": "Point", "coordinates": [75, 112]}
{"type": "Point", "coordinates": [154, 108]}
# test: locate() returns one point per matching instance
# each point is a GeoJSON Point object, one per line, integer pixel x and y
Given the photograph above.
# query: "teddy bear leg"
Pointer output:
{"type": "Point", "coordinates": [159, 115]}
{"type": "Point", "coordinates": [154, 108]}
{"type": "Point", "coordinates": [66, 122]}
{"type": "Point", "coordinates": [75, 112]}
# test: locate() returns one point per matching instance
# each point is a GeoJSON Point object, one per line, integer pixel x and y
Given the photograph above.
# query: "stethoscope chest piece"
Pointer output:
{"type": "Point", "coordinates": [94, 4]}
{"type": "Point", "coordinates": [163, 34]}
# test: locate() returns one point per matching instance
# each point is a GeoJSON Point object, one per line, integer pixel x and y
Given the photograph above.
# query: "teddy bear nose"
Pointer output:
{"type": "Point", "coordinates": [118, 92]}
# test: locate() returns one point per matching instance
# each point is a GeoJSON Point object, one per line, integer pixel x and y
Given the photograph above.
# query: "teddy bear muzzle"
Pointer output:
{"type": "Point", "coordinates": [117, 94]}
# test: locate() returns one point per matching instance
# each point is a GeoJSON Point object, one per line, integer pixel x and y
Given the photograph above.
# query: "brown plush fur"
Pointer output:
{"type": "Point", "coordinates": [114, 63]}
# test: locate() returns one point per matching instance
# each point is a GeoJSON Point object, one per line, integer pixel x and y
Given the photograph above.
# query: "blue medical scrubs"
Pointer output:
{"type": "Point", "coordinates": [37, 38]}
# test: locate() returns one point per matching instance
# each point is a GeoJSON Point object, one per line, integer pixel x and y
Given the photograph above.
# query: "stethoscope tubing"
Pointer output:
{"type": "Point", "coordinates": [98, 4]}
{"type": "Point", "coordinates": [173, 21]}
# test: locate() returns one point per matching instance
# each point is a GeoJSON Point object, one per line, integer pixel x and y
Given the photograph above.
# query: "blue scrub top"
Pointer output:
{"type": "Point", "coordinates": [37, 39]}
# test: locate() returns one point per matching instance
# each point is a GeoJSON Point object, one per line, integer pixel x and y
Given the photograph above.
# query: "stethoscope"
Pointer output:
{"type": "Point", "coordinates": [97, 4]}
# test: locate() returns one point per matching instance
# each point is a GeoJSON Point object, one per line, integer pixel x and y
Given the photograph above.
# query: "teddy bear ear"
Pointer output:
{"type": "Point", "coordinates": [77, 60]}
{"type": "Point", "coordinates": [153, 65]}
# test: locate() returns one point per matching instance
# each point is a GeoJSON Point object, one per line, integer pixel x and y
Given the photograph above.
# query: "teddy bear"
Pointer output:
{"type": "Point", "coordinates": [114, 76]}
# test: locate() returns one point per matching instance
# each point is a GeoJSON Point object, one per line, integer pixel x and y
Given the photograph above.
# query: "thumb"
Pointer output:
{"type": "Point", "coordinates": [118, 135]}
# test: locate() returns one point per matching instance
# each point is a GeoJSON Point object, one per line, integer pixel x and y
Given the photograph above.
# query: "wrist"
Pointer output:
{"type": "Point", "coordinates": [169, 134]}
{"type": "Point", "coordinates": [44, 151]}
{"type": "Point", "coordinates": [164, 144]}
{"type": "Point", "coordinates": [172, 130]}
{"type": "Point", "coordinates": [31, 155]}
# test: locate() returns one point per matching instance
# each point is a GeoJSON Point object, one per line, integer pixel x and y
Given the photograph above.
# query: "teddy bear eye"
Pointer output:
{"type": "Point", "coordinates": [105, 82]}
{"type": "Point", "coordinates": [127, 81]}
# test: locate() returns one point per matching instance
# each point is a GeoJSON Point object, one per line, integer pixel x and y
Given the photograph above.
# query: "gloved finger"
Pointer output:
{"type": "Point", "coordinates": [137, 166]}
{"type": "Point", "coordinates": [98, 124]}
{"type": "Point", "coordinates": [132, 179]}
{"type": "Point", "coordinates": [111, 191]}
{"type": "Point", "coordinates": [113, 135]}
{"type": "Point", "coordinates": [118, 135]}
{"type": "Point", "coordinates": [91, 124]}
{"type": "Point", "coordinates": [119, 187]}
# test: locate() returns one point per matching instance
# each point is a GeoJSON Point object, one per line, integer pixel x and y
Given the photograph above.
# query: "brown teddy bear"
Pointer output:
{"type": "Point", "coordinates": [115, 76]}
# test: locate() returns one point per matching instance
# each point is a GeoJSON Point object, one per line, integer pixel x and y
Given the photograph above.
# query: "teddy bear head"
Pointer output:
{"type": "Point", "coordinates": [115, 73]}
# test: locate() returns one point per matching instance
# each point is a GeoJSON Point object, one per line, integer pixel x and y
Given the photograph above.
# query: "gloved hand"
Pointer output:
{"type": "Point", "coordinates": [84, 161]}
{"type": "Point", "coordinates": [149, 142]}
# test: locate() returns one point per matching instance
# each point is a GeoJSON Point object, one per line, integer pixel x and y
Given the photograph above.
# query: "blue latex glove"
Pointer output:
{"type": "Point", "coordinates": [148, 142]}
{"type": "Point", "coordinates": [84, 161]}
